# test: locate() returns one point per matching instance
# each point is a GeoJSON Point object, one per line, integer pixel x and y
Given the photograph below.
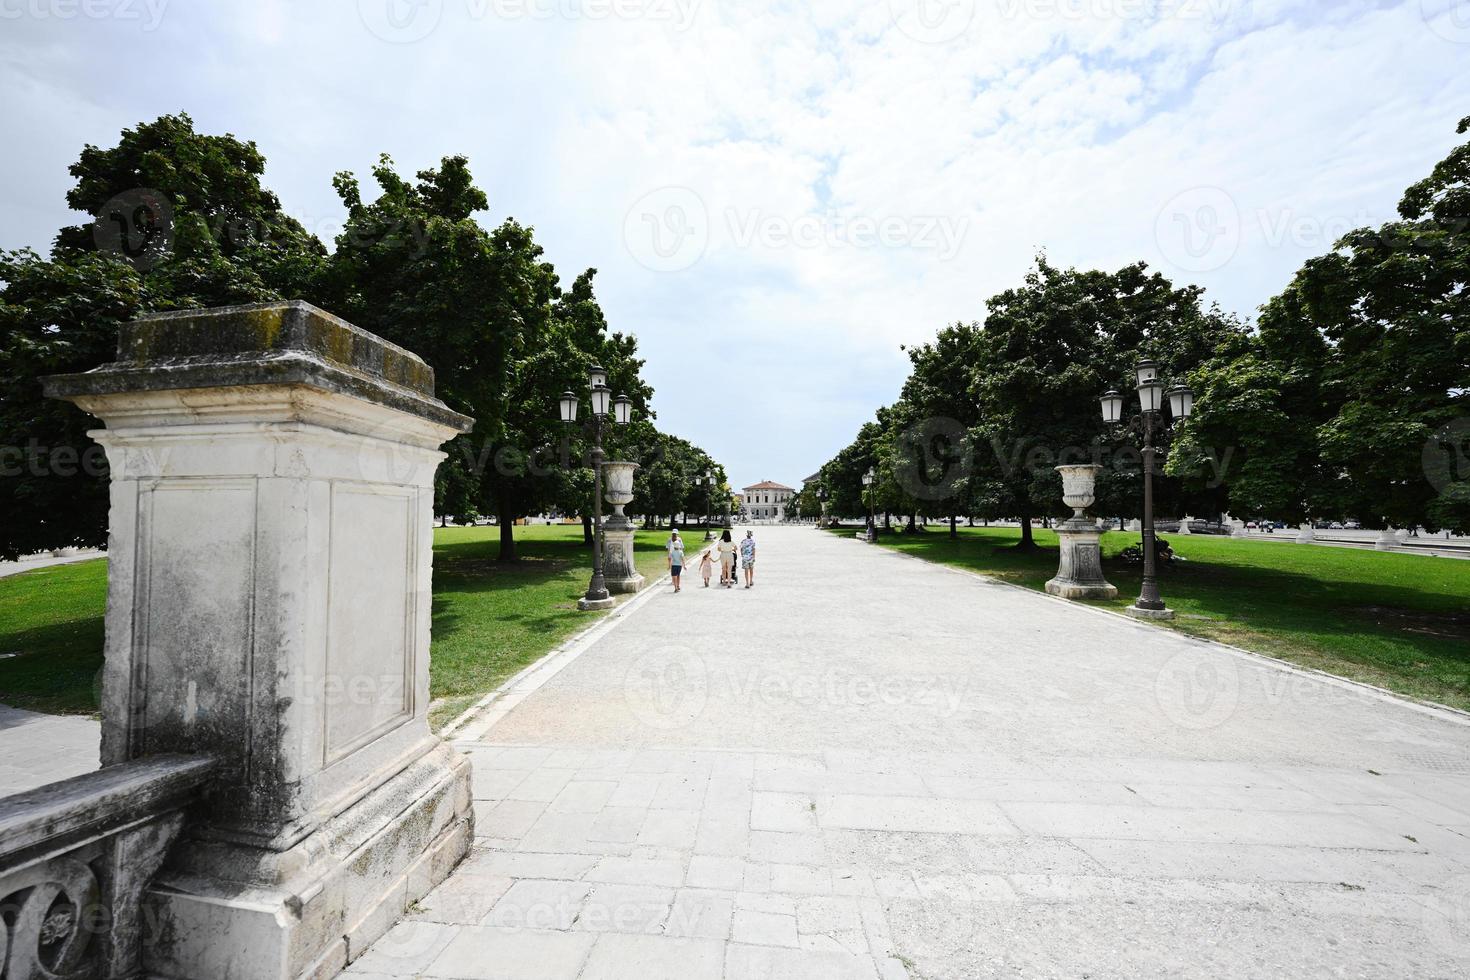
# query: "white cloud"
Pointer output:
{"type": "Point", "coordinates": [1069, 125]}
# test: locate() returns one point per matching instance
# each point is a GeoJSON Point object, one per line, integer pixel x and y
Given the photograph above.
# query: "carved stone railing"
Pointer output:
{"type": "Point", "coordinates": [75, 857]}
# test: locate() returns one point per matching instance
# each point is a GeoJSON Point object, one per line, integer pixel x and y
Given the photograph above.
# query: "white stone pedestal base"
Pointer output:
{"type": "Point", "coordinates": [1307, 535]}
{"type": "Point", "coordinates": [587, 605]}
{"type": "Point", "coordinates": [223, 908]}
{"type": "Point", "coordinates": [1154, 614]}
{"type": "Point", "coordinates": [617, 561]}
{"type": "Point", "coordinates": [1386, 540]}
{"type": "Point", "coordinates": [1079, 573]}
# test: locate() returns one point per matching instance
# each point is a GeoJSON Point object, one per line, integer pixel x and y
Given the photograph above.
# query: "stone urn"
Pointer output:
{"type": "Point", "coordinates": [618, 568]}
{"type": "Point", "coordinates": [617, 489]}
{"type": "Point", "coordinates": [1079, 486]}
{"type": "Point", "coordinates": [1079, 568]}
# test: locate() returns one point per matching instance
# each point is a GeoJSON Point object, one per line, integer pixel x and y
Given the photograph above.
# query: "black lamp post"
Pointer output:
{"type": "Point", "coordinates": [708, 480]}
{"type": "Point", "coordinates": [621, 408]}
{"type": "Point", "coordinates": [1151, 395]}
{"type": "Point", "coordinates": [868, 479]}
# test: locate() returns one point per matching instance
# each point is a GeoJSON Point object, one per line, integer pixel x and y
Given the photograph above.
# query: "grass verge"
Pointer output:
{"type": "Point", "coordinates": [489, 620]}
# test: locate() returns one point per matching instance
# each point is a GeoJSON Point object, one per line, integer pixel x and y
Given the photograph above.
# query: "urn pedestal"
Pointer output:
{"type": "Point", "coordinates": [617, 531]}
{"type": "Point", "coordinates": [272, 487]}
{"type": "Point", "coordinates": [1079, 571]}
{"type": "Point", "coordinates": [1307, 534]}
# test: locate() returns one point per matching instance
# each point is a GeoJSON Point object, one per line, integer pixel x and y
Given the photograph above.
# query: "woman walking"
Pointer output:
{"type": "Point", "coordinates": [727, 560]}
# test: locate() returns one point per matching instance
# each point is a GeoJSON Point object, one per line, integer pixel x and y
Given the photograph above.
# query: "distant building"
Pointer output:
{"type": "Point", "coordinates": [767, 500]}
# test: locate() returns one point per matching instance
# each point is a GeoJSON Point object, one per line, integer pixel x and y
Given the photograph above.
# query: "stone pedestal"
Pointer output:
{"type": "Point", "coordinates": [1184, 523]}
{"type": "Point", "coordinates": [1307, 534]}
{"type": "Point", "coordinates": [1387, 540]}
{"type": "Point", "coordinates": [618, 567]}
{"type": "Point", "coordinates": [268, 605]}
{"type": "Point", "coordinates": [1079, 570]}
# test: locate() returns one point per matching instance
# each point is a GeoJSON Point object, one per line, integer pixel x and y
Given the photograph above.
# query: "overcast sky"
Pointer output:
{"type": "Point", "coordinates": [778, 195]}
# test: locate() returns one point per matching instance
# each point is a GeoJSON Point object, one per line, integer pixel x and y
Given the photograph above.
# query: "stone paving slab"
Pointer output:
{"type": "Point", "coordinates": [872, 767]}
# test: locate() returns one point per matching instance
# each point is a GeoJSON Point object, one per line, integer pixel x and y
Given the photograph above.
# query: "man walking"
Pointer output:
{"type": "Point", "coordinates": [747, 558]}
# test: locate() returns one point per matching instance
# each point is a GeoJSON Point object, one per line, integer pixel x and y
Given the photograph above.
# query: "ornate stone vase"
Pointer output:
{"type": "Point", "coordinates": [1079, 565]}
{"type": "Point", "coordinates": [617, 489]}
{"type": "Point", "coordinates": [618, 567]}
{"type": "Point", "coordinates": [1079, 487]}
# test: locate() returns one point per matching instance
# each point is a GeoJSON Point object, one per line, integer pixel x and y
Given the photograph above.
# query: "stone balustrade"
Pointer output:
{"type": "Point", "coordinates": [75, 859]}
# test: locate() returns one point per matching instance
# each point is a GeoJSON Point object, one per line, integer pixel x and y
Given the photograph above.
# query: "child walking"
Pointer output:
{"type": "Point", "coordinates": [676, 561]}
{"type": "Point", "coordinates": [707, 565]}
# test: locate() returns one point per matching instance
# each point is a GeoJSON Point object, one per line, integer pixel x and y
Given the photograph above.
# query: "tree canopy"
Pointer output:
{"type": "Point", "coordinates": [181, 219]}
{"type": "Point", "coordinates": [1347, 398]}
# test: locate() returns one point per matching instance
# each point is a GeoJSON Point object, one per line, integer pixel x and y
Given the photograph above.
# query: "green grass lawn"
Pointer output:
{"type": "Point", "coordinates": [489, 620]}
{"type": "Point", "coordinates": [1398, 621]}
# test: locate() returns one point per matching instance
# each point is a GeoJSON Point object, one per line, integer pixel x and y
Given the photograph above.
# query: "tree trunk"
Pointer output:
{"type": "Point", "coordinates": [587, 537]}
{"type": "Point", "coordinates": [507, 534]}
{"type": "Point", "coordinates": [913, 527]}
{"type": "Point", "coordinates": [1027, 542]}
{"type": "Point", "coordinates": [887, 524]}
{"type": "Point", "coordinates": [954, 530]}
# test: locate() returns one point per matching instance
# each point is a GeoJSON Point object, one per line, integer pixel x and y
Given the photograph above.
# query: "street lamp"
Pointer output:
{"type": "Point", "coordinates": [708, 480]}
{"type": "Point", "coordinates": [822, 516]}
{"type": "Point", "coordinates": [621, 410]}
{"type": "Point", "coordinates": [868, 479]}
{"type": "Point", "coordinates": [1151, 397]}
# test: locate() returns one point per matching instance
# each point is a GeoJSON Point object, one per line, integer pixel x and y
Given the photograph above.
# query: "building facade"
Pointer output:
{"type": "Point", "coordinates": [767, 501]}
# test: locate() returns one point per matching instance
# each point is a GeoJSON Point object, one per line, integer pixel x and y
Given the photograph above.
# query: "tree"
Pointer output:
{"type": "Point", "coordinates": [1048, 350]}
{"type": "Point", "coordinates": [932, 452]}
{"type": "Point", "coordinates": [180, 219]}
{"type": "Point", "coordinates": [1342, 403]}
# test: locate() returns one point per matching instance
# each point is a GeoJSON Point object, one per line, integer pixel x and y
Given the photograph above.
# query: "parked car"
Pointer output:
{"type": "Point", "coordinates": [1352, 526]}
{"type": "Point", "coordinates": [1335, 526]}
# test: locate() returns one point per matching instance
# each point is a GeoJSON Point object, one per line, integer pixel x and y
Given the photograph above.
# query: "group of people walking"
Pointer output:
{"type": "Point", "coordinates": [724, 552]}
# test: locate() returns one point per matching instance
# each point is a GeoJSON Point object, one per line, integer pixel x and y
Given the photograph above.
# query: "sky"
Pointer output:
{"type": "Point", "coordinates": [778, 195]}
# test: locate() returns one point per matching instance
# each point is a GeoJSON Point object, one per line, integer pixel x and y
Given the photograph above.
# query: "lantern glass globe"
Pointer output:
{"type": "Point", "coordinates": [1181, 401]}
{"type": "Point", "coordinates": [601, 400]}
{"type": "Point", "coordinates": [1151, 395]}
{"type": "Point", "coordinates": [568, 407]}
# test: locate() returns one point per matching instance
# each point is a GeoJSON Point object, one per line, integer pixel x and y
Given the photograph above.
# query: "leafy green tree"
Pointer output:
{"type": "Point", "coordinates": [1360, 368]}
{"type": "Point", "coordinates": [1048, 349]}
{"type": "Point", "coordinates": [180, 219]}
{"type": "Point", "coordinates": [931, 451]}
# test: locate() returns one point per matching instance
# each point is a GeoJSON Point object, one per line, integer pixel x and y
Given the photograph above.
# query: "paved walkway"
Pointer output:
{"type": "Point", "coordinates": [870, 767]}
{"type": "Point", "coordinates": [46, 560]}
{"type": "Point", "coordinates": [37, 749]}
